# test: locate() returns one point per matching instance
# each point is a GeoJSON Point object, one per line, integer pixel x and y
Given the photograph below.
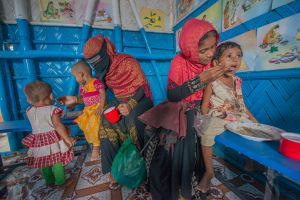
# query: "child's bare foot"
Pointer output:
{"type": "Point", "coordinates": [205, 182]}
{"type": "Point", "coordinates": [95, 154]}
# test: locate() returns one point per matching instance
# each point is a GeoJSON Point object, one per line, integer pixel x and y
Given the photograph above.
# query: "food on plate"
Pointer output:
{"type": "Point", "coordinates": [254, 132]}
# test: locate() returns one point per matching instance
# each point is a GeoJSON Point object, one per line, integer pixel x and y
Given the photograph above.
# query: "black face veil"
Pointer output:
{"type": "Point", "coordinates": [100, 62]}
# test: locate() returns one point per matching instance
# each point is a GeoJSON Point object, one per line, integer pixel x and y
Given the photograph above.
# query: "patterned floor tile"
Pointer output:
{"type": "Point", "coordinates": [220, 169]}
{"type": "Point", "coordinates": [232, 196]}
{"type": "Point", "coordinates": [229, 183]}
{"type": "Point", "coordinates": [215, 181]}
{"type": "Point", "coordinates": [91, 175]}
{"type": "Point", "coordinates": [250, 191]}
{"type": "Point", "coordinates": [105, 195]}
{"type": "Point", "coordinates": [139, 194]}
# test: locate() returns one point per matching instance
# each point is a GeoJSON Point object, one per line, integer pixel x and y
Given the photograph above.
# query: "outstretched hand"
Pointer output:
{"type": "Point", "coordinates": [70, 141]}
{"type": "Point", "coordinates": [213, 73]}
{"type": "Point", "coordinates": [70, 101]}
{"type": "Point", "coordinates": [99, 111]}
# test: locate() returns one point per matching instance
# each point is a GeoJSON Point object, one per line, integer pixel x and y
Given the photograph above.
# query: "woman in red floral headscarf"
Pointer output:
{"type": "Point", "coordinates": [124, 76]}
{"type": "Point", "coordinates": [177, 166]}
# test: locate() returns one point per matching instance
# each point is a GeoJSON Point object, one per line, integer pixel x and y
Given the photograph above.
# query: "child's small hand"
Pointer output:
{"type": "Point", "coordinates": [99, 111]}
{"type": "Point", "coordinates": [124, 109]}
{"type": "Point", "coordinates": [213, 73]}
{"type": "Point", "coordinates": [67, 100]}
{"type": "Point", "coordinates": [70, 141]}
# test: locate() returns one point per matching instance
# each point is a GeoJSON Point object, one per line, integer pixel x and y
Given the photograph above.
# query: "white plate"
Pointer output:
{"type": "Point", "coordinates": [255, 131]}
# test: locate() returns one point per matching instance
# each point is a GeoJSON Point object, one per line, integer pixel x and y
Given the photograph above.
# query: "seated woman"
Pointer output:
{"type": "Point", "coordinates": [177, 166]}
{"type": "Point", "coordinates": [124, 76]}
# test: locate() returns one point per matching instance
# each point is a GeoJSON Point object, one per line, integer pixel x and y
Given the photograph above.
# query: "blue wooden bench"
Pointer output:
{"type": "Point", "coordinates": [21, 125]}
{"type": "Point", "coordinates": [267, 154]}
{"type": "Point", "coordinates": [15, 126]}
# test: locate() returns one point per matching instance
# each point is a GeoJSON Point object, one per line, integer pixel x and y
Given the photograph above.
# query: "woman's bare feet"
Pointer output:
{"type": "Point", "coordinates": [95, 154]}
{"type": "Point", "coordinates": [205, 182]}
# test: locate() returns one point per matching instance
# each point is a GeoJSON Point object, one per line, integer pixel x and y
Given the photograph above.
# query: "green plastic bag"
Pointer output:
{"type": "Point", "coordinates": [128, 167]}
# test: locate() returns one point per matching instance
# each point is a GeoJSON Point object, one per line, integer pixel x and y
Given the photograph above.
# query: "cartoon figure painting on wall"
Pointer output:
{"type": "Point", "coordinates": [51, 11]}
{"type": "Point", "coordinates": [272, 39]}
{"type": "Point", "coordinates": [57, 11]}
{"type": "Point", "coordinates": [182, 7]}
{"type": "Point", "coordinates": [66, 9]}
{"type": "Point", "coordinates": [103, 13]}
{"type": "Point", "coordinates": [278, 44]}
{"type": "Point", "coordinates": [230, 13]}
{"type": "Point", "coordinates": [153, 19]}
{"type": "Point", "coordinates": [236, 12]}
{"type": "Point", "coordinates": [213, 15]}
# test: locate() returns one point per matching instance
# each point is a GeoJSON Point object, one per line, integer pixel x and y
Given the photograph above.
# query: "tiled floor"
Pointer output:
{"type": "Point", "coordinates": [88, 182]}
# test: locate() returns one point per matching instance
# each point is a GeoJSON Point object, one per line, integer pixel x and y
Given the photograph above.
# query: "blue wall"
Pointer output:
{"type": "Point", "coordinates": [67, 39]}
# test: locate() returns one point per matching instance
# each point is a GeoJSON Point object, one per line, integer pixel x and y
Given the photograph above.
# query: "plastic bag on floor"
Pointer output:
{"type": "Point", "coordinates": [128, 167]}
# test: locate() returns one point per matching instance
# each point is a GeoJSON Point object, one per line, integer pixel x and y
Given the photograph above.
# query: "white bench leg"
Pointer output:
{"type": "Point", "coordinates": [271, 190]}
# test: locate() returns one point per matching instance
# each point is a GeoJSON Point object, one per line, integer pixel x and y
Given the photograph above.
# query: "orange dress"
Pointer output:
{"type": "Point", "coordinates": [88, 121]}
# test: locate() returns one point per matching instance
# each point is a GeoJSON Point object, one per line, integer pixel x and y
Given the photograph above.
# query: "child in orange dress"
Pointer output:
{"type": "Point", "coordinates": [92, 92]}
{"type": "Point", "coordinates": [49, 143]}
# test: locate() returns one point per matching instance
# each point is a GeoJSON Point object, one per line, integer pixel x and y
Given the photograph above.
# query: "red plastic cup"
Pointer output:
{"type": "Point", "coordinates": [290, 145]}
{"type": "Point", "coordinates": [112, 115]}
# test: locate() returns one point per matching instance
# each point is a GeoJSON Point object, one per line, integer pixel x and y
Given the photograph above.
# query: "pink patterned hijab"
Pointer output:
{"type": "Point", "coordinates": [186, 65]}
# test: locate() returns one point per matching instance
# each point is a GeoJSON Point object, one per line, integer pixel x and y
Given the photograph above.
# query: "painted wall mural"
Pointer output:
{"type": "Point", "coordinates": [61, 11]}
{"type": "Point", "coordinates": [213, 15]}
{"type": "Point", "coordinates": [183, 7]}
{"type": "Point", "coordinates": [248, 45]}
{"type": "Point", "coordinates": [153, 19]}
{"type": "Point", "coordinates": [278, 3]}
{"type": "Point", "coordinates": [72, 12]}
{"type": "Point", "coordinates": [236, 12]}
{"type": "Point", "coordinates": [278, 44]}
{"type": "Point", "coordinates": [103, 15]}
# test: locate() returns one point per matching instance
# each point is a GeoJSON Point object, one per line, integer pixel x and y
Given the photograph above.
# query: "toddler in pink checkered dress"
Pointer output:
{"type": "Point", "coordinates": [50, 146]}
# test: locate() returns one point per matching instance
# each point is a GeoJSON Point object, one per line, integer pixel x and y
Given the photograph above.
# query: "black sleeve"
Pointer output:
{"type": "Point", "coordinates": [139, 94]}
{"type": "Point", "coordinates": [178, 93]}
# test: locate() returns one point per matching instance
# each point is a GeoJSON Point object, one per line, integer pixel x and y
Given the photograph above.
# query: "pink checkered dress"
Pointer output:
{"type": "Point", "coordinates": [46, 148]}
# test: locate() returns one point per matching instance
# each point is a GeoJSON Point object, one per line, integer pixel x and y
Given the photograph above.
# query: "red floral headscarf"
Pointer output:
{"type": "Point", "coordinates": [186, 65]}
{"type": "Point", "coordinates": [124, 74]}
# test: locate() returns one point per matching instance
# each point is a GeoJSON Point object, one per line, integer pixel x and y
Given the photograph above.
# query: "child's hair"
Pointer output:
{"type": "Point", "coordinates": [212, 33]}
{"type": "Point", "coordinates": [81, 66]}
{"type": "Point", "coordinates": [224, 46]}
{"type": "Point", "coordinates": [37, 91]}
